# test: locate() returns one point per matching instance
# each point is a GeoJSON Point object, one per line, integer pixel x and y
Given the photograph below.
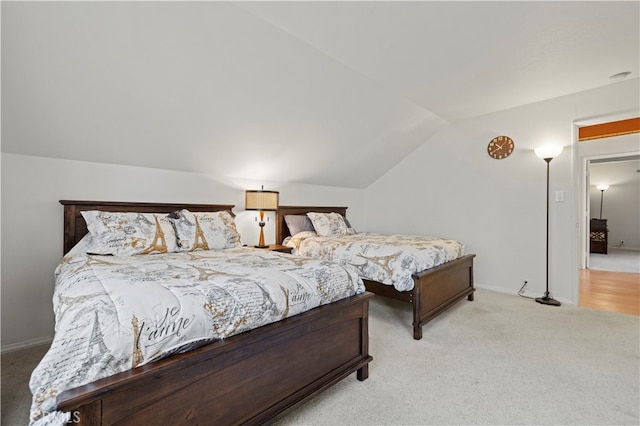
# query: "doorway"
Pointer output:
{"type": "Point", "coordinates": [610, 279]}
{"type": "Point", "coordinates": [614, 205]}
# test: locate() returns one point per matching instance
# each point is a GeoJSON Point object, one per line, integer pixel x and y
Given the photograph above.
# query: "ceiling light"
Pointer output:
{"type": "Point", "coordinates": [620, 75]}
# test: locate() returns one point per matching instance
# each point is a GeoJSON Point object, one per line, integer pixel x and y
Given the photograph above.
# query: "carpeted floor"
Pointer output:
{"type": "Point", "coordinates": [16, 396]}
{"type": "Point", "coordinates": [501, 359]}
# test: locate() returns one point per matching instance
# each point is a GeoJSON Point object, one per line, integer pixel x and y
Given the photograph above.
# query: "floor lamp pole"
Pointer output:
{"type": "Point", "coordinates": [547, 300]}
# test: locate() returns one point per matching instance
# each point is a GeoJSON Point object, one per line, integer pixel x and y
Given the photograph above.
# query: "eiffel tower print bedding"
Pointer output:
{"type": "Point", "coordinates": [389, 259]}
{"type": "Point", "coordinates": [116, 313]}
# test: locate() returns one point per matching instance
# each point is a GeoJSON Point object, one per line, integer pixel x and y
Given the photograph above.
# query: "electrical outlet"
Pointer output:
{"type": "Point", "coordinates": [524, 285]}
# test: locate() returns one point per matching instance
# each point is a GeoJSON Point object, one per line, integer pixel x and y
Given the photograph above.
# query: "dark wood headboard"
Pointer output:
{"type": "Point", "coordinates": [75, 227]}
{"type": "Point", "coordinates": [282, 231]}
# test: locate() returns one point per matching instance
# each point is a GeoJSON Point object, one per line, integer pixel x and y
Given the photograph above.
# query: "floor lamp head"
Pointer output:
{"type": "Point", "coordinates": [549, 151]}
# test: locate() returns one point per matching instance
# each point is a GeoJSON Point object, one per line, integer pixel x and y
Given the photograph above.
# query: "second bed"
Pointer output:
{"type": "Point", "coordinates": [430, 289]}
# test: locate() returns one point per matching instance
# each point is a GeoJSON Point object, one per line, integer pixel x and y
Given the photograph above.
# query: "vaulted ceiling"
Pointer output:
{"type": "Point", "coordinates": [328, 93]}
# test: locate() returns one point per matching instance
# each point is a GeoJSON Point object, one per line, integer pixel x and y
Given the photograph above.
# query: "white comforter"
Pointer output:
{"type": "Point", "coordinates": [117, 313]}
{"type": "Point", "coordinates": [389, 259]}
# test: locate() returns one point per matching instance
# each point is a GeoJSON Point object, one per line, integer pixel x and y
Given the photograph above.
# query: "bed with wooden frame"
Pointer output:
{"type": "Point", "coordinates": [245, 379]}
{"type": "Point", "coordinates": [434, 290]}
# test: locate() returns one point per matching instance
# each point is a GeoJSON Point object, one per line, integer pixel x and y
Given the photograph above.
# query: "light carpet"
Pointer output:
{"type": "Point", "coordinates": [501, 359]}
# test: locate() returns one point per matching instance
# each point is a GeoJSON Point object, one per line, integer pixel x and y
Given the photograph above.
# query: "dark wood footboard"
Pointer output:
{"type": "Point", "coordinates": [439, 288]}
{"type": "Point", "coordinates": [434, 290]}
{"type": "Point", "coordinates": [246, 379]}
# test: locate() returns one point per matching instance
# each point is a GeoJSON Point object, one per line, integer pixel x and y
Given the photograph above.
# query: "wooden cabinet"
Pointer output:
{"type": "Point", "coordinates": [598, 236]}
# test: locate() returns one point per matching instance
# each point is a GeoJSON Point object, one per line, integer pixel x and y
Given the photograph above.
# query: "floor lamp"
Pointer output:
{"type": "Point", "coordinates": [548, 153]}
{"type": "Point", "coordinates": [602, 188]}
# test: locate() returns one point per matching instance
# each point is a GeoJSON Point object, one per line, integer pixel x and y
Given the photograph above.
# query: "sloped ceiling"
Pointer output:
{"type": "Point", "coordinates": [323, 93]}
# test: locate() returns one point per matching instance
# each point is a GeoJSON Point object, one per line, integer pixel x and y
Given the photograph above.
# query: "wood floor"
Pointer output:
{"type": "Point", "coordinates": [610, 291]}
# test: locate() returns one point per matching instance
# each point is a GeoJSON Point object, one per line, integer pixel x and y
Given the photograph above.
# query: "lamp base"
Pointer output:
{"type": "Point", "coordinates": [262, 247]}
{"type": "Point", "coordinates": [547, 300]}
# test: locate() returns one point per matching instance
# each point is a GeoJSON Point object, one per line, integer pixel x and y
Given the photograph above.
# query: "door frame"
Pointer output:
{"type": "Point", "coordinates": [582, 186]}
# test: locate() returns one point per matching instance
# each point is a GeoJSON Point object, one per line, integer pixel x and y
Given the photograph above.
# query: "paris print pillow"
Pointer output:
{"type": "Point", "coordinates": [205, 231]}
{"type": "Point", "coordinates": [328, 224]}
{"type": "Point", "coordinates": [127, 234]}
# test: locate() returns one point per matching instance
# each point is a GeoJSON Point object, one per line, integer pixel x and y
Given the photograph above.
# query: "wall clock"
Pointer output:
{"type": "Point", "coordinates": [500, 147]}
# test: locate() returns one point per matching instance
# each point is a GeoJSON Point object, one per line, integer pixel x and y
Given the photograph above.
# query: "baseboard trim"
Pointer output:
{"type": "Point", "coordinates": [26, 344]}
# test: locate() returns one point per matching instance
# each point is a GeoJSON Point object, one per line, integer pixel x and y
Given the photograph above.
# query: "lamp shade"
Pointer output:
{"type": "Point", "coordinates": [261, 200]}
{"type": "Point", "coordinates": [602, 187]}
{"type": "Point", "coordinates": [548, 151]}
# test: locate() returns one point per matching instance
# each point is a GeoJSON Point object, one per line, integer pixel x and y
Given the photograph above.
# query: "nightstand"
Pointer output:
{"type": "Point", "coordinates": [278, 247]}
{"type": "Point", "coordinates": [598, 236]}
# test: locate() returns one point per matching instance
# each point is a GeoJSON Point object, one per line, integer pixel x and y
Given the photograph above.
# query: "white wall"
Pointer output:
{"type": "Point", "coordinates": [32, 221]}
{"type": "Point", "coordinates": [451, 187]}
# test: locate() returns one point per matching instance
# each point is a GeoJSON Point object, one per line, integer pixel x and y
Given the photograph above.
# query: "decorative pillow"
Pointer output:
{"type": "Point", "coordinates": [205, 231]}
{"type": "Point", "coordinates": [328, 224]}
{"type": "Point", "coordinates": [298, 223]}
{"type": "Point", "coordinates": [127, 234]}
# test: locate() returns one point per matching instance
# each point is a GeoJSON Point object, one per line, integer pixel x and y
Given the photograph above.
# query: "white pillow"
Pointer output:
{"type": "Point", "coordinates": [127, 234]}
{"type": "Point", "coordinates": [205, 231]}
{"type": "Point", "coordinates": [328, 224]}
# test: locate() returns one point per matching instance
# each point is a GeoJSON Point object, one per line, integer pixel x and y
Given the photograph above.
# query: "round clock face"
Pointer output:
{"type": "Point", "coordinates": [500, 147]}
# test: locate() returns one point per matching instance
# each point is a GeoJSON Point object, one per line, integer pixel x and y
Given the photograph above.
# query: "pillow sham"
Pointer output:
{"type": "Point", "coordinates": [298, 223]}
{"type": "Point", "coordinates": [128, 234]}
{"type": "Point", "coordinates": [328, 224]}
{"type": "Point", "coordinates": [205, 231]}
